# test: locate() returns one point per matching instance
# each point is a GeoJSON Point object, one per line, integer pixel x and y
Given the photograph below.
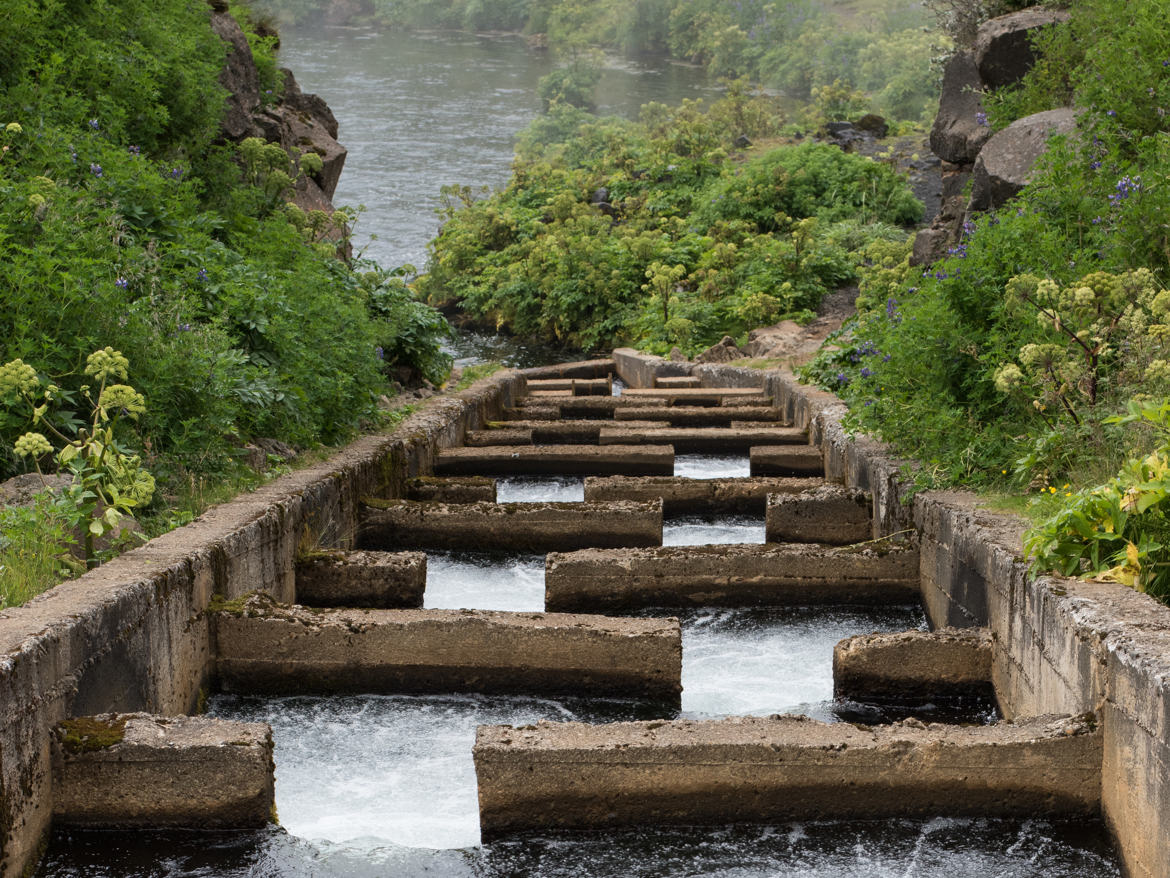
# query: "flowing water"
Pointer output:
{"type": "Point", "coordinates": [384, 785]}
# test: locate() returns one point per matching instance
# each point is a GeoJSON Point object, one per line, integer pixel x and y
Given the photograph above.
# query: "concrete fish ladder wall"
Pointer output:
{"type": "Point", "coordinates": [1059, 646]}
{"type": "Point", "coordinates": [133, 635]}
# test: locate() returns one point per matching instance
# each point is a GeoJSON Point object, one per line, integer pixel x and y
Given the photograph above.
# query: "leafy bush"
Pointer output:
{"type": "Point", "coordinates": [615, 232]}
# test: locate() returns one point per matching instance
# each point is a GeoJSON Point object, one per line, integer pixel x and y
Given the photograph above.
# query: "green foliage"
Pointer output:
{"type": "Point", "coordinates": [572, 84]}
{"type": "Point", "coordinates": [34, 550]}
{"type": "Point", "coordinates": [683, 246]}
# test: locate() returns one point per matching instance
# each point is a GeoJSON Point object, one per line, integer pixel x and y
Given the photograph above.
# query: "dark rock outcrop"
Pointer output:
{"type": "Point", "coordinates": [300, 122]}
{"type": "Point", "coordinates": [1005, 164]}
{"type": "Point", "coordinates": [723, 351]}
{"type": "Point", "coordinates": [960, 128]}
{"type": "Point", "coordinates": [932, 244]}
{"type": "Point", "coordinates": [1003, 45]}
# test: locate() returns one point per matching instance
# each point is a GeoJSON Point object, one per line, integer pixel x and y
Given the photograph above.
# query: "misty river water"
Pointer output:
{"type": "Point", "coordinates": [384, 785]}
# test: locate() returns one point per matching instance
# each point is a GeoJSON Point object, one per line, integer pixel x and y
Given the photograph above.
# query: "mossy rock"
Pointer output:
{"type": "Point", "coordinates": [89, 733]}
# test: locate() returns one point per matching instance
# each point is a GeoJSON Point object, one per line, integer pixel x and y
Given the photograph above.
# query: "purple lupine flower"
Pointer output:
{"type": "Point", "coordinates": [842, 378]}
{"type": "Point", "coordinates": [866, 372]}
{"type": "Point", "coordinates": [981, 119]}
{"type": "Point", "coordinates": [379, 353]}
{"type": "Point", "coordinates": [201, 275]}
{"type": "Point", "coordinates": [121, 283]}
{"type": "Point", "coordinates": [1126, 186]}
{"type": "Point", "coordinates": [184, 327]}
{"type": "Point", "coordinates": [134, 150]}
{"type": "Point", "coordinates": [95, 169]}
{"type": "Point", "coordinates": [94, 124]}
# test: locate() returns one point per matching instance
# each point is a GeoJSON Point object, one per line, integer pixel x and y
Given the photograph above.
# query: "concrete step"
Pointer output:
{"type": "Point", "coordinates": [542, 460]}
{"type": "Point", "coordinates": [138, 771]}
{"type": "Point", "coordinates": [683, 496]}
{"type": "Point", "coordinates": [824, 514]}
{"type": "Point", "coordinates": [509, 527]}
{"type": "Point", "coordinates": [585, 406]}
{"type": "Point", "coordinates": [786, 460]}
{"type": "Point", "coordinates": [388, 580]}
{"type": "Point", "coordinates": [263, 647]}
{"type": "Point", "coordinates": [580, 369]}
{"type": "Point", "coordinates": [562, 432]}
{"type": "Point", "coordinates": [704, 440]}
{"type": "Point", "coordinates": [499, 436]}
{"type": "Point", "coordinates": [542, 412]}
{"type": "Point", "coordinates": [697, 395]}
{"type": "Point", "coordinates": [574, 386]}
{"type": "Point", "coordinates": [781, 768]}
{"type": "Point", "coordinates": [914, 665]}
{"type": "Point", "coordinates": [702, 416]}
{"type": "Point", "coordinates": [458, 489]}
{"type": "Point", "coordinates": [676, 381]}
{"type": "Point", "coordinates": [603, 581]}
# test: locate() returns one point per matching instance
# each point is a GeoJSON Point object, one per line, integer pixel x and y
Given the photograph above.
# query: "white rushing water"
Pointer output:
{"type": "Point", "coordinates": [706, 466]}
{"type": "Point", "coordinates": [540, 489]}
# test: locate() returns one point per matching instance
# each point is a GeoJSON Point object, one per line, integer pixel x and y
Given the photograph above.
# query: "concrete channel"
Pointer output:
{"type": "Point", "coordinates": [1079, 672]}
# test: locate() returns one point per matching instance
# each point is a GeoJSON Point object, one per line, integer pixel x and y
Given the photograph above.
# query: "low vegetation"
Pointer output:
{"type": "Point", "coordinates": [1036, 356]}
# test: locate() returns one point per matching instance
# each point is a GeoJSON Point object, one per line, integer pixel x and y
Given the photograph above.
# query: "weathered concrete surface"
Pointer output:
{"type": "Point", "coordinates": [458, 489]}
{"type": "Point", "coordinates": [695, 395]}
{"type": "Point", "coordinates": [137, 771]}
{"type": "Point", "coordinates": [543, 412]}
{"type": "Point", "coordinates": [264, 647]}
{"type": "Point", "coordinates": [587, 460]}
{"type": "Point", "coordinates": [765, 770]}
{"type": "Point", "coordinates": [703, 440]}
{"type": "Point", "coordinates": [641, 370]}
{"type": "Point", "coordinates": [501, 436]}
{"type": "Point", "coordinates": [575, 386]}
{"type": "Point", "coordinates": [514, 527]}
{"type": "Point", "coordinates": [701, 416]}
{"type": "Point", "coordinates": [581, 369]}
{"type": "Point", "coordinates": [684, 496]}
{"type": "Point", "coordinates": [570, 432]}
{"type": "Point", "coordinates": [133, 634]}
{"type": "Point", "coordinates": [677, 381]}
{"type": "Point", "coordinates": [387, 580]}
{"type": "Point", "coordinates": [825, 514]}
{"type": "Point", "coordinates": [786, 460]}
{"type": "Point", "coordinates": [948, 662]}
{"type": "Point", "coordinates": [555, 408]}
{"type": "Point", "coordinates": [596, 580]}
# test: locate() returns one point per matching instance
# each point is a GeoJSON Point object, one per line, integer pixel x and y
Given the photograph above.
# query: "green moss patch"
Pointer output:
{"type": "Point", "coordinates": [88, 733]}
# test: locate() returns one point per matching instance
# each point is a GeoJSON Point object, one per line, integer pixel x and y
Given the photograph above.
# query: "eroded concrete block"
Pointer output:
{"type": "Point", "coordinates": [765, 770]}
{"type": "Point", "coordinates": [702, 416]}
{"type": "Point", "coordinates": [704, 440]}
{"type": "Point", "coordinates": [539, 460]}
{"type": "Point", "coordinates": [684, 496]}
{"type": "Point", "coordinates": [513, 527]}
{"type": "Point", "coordinates": [825, 514]}
{"type": "Point", "coordinates": [946, 663]}
{"type": "Point", "coordinates": [786, 460]}
{"type": "Point", "coordinates": [575, 386]}
{"type": "Point", "coordinates": [502, 436]}
{"type": "Point", "coordinates": [676, 381]}
{"type": "Point", "coordinates": [458, 489]}
{"type": "Point", "coordinates": [141, 771]}
{"type": "Point", "coordinates": [570, 432]}
{"type": "Point", "coordinates": [269, 648]}
{"type": "Point", "coordinates": [387, 580]}
{"type": "Point", "coordinates": [595, 580]}
{"type": "Point", "coordinates": [698, 396]}
{"type": "Point", "coordinates": [534, 412]}
{"type": "Point", "coordinates": [580, 369]}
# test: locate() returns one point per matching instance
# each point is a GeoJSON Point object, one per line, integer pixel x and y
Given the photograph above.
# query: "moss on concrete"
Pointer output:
{"type": "Point", "coordinates": [89, 733]}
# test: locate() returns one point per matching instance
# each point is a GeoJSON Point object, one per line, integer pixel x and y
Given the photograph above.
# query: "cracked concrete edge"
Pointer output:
{"type": "Point", "coordinates": [133, 635]}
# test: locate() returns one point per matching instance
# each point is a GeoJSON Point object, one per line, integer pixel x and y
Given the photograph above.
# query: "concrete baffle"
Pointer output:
{"type": "Point", "coordinates": [596, 580]}
{"type": "Point", "coordinates": [502, 436]}
{"type": "Point", "coordinates": [512, 527]}
{"type": "Point", "coordinates": [912, 665]}
{"type": "Point", "coordinates": [704, 440]}
{"type": "Point", "coordinates": [684, 496]}
{"type": "Point", "coordinates": [677, 381]}
{"type": "Point", "coordinates": [600, 368]}
{"type": "Point", "coordinates": [265, 647]}
{"type": "Point", "coordinates": [701, 416]}
{"type": "Point", "coordinates": [570, 460]}
{"type": "Point", "coordinates": [786, 460]}
{"type": "Point", "coordinates": [137, 771]}
{"type": "Point", "coordinates": [826, 514]}
{"type": "Point", "coordinates": [457, 489]}
{"type": "Point", "coordinates": [388, 580]}
{"type": "Point", "coordinates": [765, 770]}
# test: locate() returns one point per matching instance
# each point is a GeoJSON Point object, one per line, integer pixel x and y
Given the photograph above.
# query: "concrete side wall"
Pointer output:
{"type": "Point", "coordinates": [1059, 645]}
{"type": "Point", "coordinates": [133, 634]}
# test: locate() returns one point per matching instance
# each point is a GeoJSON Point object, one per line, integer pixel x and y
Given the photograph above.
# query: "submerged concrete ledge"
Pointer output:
{"type": "Point", "coordinates": [595, 580]}
{"type": "Point", "coordinates": [511, 527]}
{"type": "Point", "coordinates": [825, 514]}
{"type": "Point", "coordinates": [335, 578]}
{"type": "Point", "coordinates": [950, 662]}
{"type": "Point", "coordinates": [684, 496]}
{"type": "Point", "coordinates": [459, 489]}
{"type": "Point", "coordinates": [703, 440]}
{"type": "Point", "coordinates": [136, 771]}
{"type": "Point", "coordinates": [786, 460]}
{"type": "Point", "coordinates": [268, 648]}
{"type": "Point", "coordinates": [541, 460]}
{"type": "Point", "coordinates": [765, 770]}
